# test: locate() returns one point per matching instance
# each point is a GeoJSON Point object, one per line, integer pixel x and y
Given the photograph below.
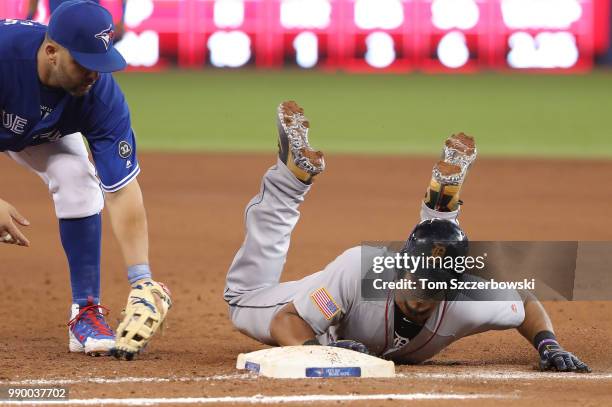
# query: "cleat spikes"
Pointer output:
{"type": "Point", "coordinates": [294, 149]}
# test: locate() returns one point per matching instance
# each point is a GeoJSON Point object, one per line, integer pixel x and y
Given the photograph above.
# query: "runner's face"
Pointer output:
{"type": "Point", "coordinates": [418, 311]}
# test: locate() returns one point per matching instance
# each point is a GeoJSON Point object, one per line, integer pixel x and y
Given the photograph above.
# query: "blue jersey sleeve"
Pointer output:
{"type": "Point", "coordinates": [108, 130]}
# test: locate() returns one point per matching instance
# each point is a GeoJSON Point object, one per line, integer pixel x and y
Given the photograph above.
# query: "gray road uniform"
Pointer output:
{"type": "Point", "coordinates": [330, 300]}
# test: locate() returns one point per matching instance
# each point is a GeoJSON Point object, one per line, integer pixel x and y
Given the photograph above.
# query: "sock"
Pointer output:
{"type": "Point", "coordinates": [440, 196]}
{"type": "Point", "coordinates": [82, 241]}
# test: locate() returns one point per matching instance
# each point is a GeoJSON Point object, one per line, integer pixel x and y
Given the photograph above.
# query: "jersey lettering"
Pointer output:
{"type": "Point", "coordinates": [52, 135]}
{"type": "Point", "coordinates": [13, 122]}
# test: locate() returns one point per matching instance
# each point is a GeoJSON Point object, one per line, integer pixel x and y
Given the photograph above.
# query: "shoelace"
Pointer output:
{"type": "Point", "coordinates": [94, 318]}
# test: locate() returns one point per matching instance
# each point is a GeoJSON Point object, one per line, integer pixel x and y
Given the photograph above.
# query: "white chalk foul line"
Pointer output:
{"type": "Point", "coordinates": [259, 399]}
{"type": "Point", "coordinates": [509, 375]}
{"type": "Point", "coordinates": [465, 375]}
{"type": "Point", "coordinates": [119, 380]}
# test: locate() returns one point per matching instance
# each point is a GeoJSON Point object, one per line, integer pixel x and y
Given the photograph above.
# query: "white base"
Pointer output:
{"type": "Point", "coordinates": [298, 362]}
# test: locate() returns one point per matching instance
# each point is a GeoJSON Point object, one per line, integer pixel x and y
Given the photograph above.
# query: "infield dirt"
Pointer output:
{"type": "Point", "coordinates": [195, 203]}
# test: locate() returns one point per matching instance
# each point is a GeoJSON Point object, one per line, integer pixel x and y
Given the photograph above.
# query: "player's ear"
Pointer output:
{"type": "Point", "coordinates": [51, 51]}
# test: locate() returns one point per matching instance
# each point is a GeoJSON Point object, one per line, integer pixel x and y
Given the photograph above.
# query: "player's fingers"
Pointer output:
{"type": "Point", "coordinates": [580, 365]}
{"type": "Point", "coordinates": [19, 237]}
{"type": "Point", "coordinates": [569, 362]}
{"type": "Point", "coordinates": [560, 363]}
{"type": "Point", "coordinates": [19, 217]}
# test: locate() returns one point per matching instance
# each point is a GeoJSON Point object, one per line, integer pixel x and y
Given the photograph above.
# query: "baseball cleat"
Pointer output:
{"type": "Point", "coordinates": [443, 192]}
{"type": "Point", "coordinates": [293, 148]}
{"type": "Point", "coordinates": [448, 175]}
{"type": "Point", "coordinates": [460, 149]}
{"type": "Point", "coordinates": [88, 332]}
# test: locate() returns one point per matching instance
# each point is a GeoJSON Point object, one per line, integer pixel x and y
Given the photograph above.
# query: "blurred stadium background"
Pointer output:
{"type": "Point", "coordinates": [527, 77]}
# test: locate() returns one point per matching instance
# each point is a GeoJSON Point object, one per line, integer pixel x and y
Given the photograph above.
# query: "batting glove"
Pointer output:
{"type": "Point", "coordinates": [351, 345]}
{"type": "Point", "coordinates": [554, 357]}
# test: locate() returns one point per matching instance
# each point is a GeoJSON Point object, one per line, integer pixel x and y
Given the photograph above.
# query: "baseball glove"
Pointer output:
{"type": "Point", "coordinates": [144, 314]}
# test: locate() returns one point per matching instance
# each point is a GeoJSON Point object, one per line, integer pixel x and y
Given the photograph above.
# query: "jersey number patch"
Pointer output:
{"type": "Point", "coordinates": [124, 149]}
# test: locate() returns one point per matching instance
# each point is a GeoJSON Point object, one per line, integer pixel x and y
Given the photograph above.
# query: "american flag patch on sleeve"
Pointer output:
{"type": "Point", "coordinates": [326, 304]}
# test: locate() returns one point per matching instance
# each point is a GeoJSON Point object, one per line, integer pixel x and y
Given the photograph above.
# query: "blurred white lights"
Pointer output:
{"type": "Point", "coordinates": [306, 47]}
{"type": "Point", "coordinates": [449, 14]}
{"type": "Point", "coordinates": [453, 51]}
{"type": "Point", "coordinates": [540, 13]}
{"type": "Point", "coordinates": [546, 50]}
{"type": "Point", "coordinates": [305, 14]}
{"type": "Point", "coordinates": [382, 14]}
{"type": "Point", "coordinates": [381, 50]}
{"type": "Point", "coordinates": [137, 11]}
{"type": "Point", "coordinates": [228, 13]}
{"type": "Point", "coordinates": [42, 11]}
{"type": "Point", "coordinates": [140, 49]}
{"type": "Point", "coordinates": [229, 49]}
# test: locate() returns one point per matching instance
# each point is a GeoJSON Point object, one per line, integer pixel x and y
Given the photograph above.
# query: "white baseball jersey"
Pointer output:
{"type": "Point", "coordinates": [330, 300]}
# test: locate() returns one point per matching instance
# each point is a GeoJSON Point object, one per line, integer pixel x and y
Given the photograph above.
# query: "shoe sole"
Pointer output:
{"type": "Point", "coordinates": [93, 353]}
{"type": "Point", "coordinates": [74, 346]}
{"type": "Point", "coordinates": [460, 149]}
{"type": "Point", "coordinates": [293, 129]}
{"type": "Point", "coordinates": [448, 174]}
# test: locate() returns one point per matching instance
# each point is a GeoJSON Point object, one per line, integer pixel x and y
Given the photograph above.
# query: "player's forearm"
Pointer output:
{"type": "Point", "coordinates": [288, 328]}
{"type": "Point", "coordinates": [536, 319]}
{"type": "Point", "coordinates": [129, 222]}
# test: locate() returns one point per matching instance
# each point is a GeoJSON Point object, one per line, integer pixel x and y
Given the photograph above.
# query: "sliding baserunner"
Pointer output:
{"type": "Point", "coordinates": [327, 307]}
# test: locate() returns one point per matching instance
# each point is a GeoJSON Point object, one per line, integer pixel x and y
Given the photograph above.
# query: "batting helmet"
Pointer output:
{"type": "Point", "coordinates": [434, 242]}
{"type": "Point", "coordinates": [437, 237]}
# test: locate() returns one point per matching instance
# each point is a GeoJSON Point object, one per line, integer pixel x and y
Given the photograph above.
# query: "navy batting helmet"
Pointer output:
{"type": "Point", "coordinates": [436, 243]}
{"type": "Point", "coordinates": [437, 237]}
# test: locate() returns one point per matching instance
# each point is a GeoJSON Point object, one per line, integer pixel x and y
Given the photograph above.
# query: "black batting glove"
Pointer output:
{"type": "Point", "coordinates": [351, 345]}
{"type": "Point", "coordinates": [554, 357]}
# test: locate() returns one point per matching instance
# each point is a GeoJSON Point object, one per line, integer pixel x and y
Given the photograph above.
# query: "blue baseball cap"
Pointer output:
{"type": "Point", "coordinates": [86, 30]}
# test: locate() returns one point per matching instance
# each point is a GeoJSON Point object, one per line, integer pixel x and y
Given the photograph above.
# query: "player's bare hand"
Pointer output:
{"type": "Point", "coordinates": [556, 358]}
{"type": "Point", "coordinates": [9, 232]}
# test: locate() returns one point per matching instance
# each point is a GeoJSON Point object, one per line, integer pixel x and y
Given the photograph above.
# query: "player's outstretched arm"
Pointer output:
{"type": "Point", "coordinates": [289, 329]}
{"type": "Point", "coordinates": [9, 232]}
{"type": "Point", "coordinates": [538, 330]}
{"type": "Point", "coordinates": [149, 301]}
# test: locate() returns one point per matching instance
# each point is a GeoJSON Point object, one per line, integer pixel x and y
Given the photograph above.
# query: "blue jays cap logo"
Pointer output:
{"type": "Point", "coordinates": [76, 24]}
{"type": "Point", "coordinates": [106, 36]}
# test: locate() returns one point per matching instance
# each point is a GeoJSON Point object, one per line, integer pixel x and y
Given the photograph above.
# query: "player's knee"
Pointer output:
{"type": "Point", "coordinates": [74, 187]}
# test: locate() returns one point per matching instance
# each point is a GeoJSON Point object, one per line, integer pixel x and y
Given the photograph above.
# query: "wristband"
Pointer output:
{"type": "Point", "coordinates": [310, 342]}
{"type": "Point", "coordinates": [138, 272]}
{"type": "Point", "coordinates": [544, 338]}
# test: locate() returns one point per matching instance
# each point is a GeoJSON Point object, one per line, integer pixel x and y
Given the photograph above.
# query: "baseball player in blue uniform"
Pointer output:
{"type": "Point", "coordinates": [327, 308]}
{"type": "Point", "coordinates": [55, 88]}
{"type": "Point", "coordinates": [54, 4]}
